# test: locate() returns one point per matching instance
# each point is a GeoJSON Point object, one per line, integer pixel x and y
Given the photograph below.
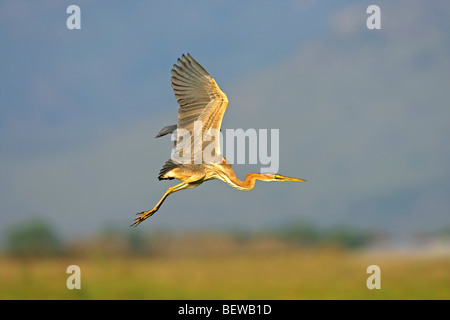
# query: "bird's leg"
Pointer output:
{"type": "Point", "coordinates": [141, 216]}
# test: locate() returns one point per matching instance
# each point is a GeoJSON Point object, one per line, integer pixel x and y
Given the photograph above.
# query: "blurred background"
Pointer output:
{"type": "Point", "coordinates": [362, 114]}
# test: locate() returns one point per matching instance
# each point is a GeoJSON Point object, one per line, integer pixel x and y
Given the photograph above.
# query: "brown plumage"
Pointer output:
{"type": "Point", "coordinates": [200, 99]}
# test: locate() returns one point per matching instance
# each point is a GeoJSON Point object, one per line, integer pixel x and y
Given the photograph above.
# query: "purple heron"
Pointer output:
{"type": "Point", "coordinates": [200, 99]}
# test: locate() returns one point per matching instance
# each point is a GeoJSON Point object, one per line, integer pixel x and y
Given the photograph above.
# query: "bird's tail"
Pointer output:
{"type": "Point", "coordinates": [165, 173]}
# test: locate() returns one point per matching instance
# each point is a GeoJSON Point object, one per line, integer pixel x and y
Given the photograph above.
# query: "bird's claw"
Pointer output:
{"type": "Point", "coordinates": [141, 216]}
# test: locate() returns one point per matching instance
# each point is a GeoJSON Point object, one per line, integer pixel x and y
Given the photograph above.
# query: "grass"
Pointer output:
{"type": "Point", "coordinates": [289, 273]}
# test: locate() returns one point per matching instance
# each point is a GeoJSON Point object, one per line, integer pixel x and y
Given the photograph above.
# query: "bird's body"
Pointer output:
{"type": "Point", "coordinates": [201, 101]}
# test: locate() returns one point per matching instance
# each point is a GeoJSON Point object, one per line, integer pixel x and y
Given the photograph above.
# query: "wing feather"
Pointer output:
{"type": "Point", "coordinates": [199, 98]}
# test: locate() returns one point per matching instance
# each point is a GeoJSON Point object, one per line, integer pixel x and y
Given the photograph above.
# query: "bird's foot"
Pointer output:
{"type": "Point", "coordinates": [141, 216]}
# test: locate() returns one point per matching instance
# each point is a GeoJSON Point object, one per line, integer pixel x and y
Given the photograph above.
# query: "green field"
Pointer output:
{"type": "Point", "coordinates": [286, 273]}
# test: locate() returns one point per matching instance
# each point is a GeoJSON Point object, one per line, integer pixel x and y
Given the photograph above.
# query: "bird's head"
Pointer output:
{"type": "Point", "coordinates": [279, 177]}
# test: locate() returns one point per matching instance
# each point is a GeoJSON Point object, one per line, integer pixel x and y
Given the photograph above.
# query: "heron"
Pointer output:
{"type": "Point", "coordinates": [199, 99]}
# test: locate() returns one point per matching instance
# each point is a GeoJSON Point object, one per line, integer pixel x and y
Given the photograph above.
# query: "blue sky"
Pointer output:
{"type": "Point", "coordinates": [363, 115]}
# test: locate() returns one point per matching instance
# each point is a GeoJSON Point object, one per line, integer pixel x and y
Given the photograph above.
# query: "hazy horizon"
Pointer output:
{"type": "Point", "coordinates": [362, 114]}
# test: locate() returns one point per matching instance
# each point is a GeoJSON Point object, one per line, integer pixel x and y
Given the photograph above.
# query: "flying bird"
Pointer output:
{"type": "Point", "coordinates": [200, 100]}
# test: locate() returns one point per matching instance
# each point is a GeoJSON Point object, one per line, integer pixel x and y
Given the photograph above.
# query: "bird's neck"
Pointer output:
{"type": "Point", "coordinates": [248, 183]}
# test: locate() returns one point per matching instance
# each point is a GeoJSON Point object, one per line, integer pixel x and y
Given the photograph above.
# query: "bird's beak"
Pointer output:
{"type": "Point", "coordinates": [283, 178]}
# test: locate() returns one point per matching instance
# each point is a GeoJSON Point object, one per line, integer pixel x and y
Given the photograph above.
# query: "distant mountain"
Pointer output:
{"type": "Point", "coordinates": [364, 116]}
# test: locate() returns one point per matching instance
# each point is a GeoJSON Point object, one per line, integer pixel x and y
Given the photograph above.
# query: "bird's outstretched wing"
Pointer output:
{"type": "Point", "coordinates": [200, 99]}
